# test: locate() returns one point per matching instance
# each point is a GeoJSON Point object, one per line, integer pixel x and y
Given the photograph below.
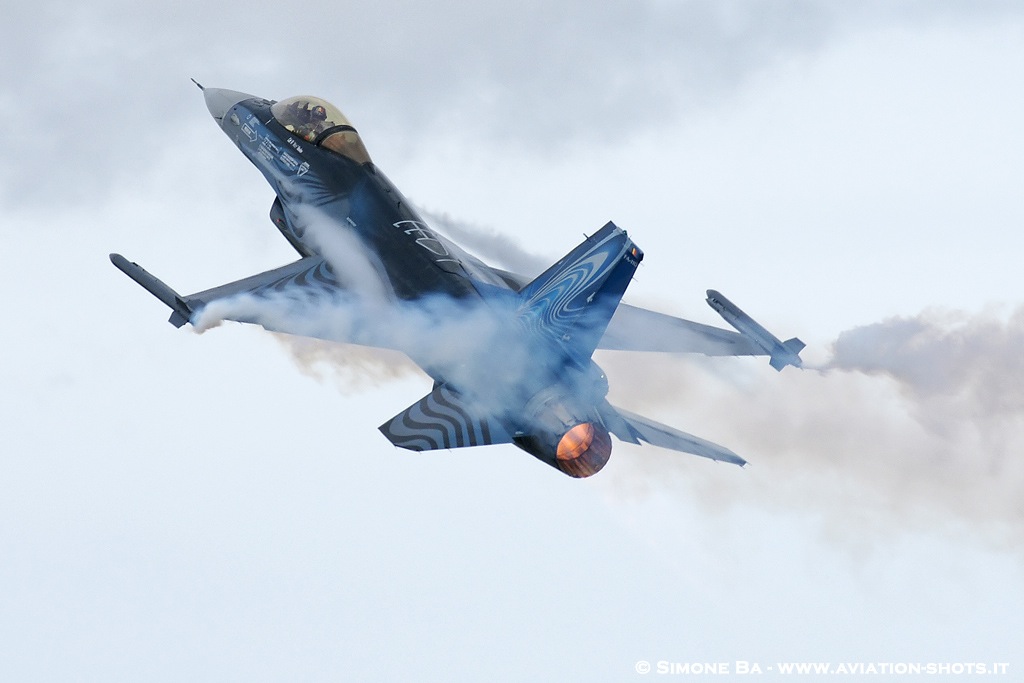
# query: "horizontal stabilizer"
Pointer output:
{"type": "Point", "coordinates": [664, 436]}
{"type": "Point", "coordinates": [789, 356]}
{"type": "Point", "coordinates": [794, 345]}
{"type": "Point", "coordinates": [181, 310]}
{"type": "Point", "coordinates": [441, 419]}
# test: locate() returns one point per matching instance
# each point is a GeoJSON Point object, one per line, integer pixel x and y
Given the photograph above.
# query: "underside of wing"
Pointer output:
{"type": "Point", "coordinates": [273, 299]}
{"type": "Point", "coordinates": [638, 329]}
{"type": "Point", "coordinates": [308, 277]}
{"type": "Point", "coordinates": [441, 419]}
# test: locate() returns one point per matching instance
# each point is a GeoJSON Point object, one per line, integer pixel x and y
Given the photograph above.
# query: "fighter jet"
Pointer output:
{"type": "Point", "coordinates": [510, 356]}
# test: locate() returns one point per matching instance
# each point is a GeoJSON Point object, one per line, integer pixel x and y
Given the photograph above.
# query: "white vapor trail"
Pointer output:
{"type": "Point", "coordinates": [914, 423]}
{"type": "Point", "coordinates": [497, 249]}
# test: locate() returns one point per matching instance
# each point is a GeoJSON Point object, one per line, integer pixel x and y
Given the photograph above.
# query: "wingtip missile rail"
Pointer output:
{"type": "Point", "coordinates": [782, 353]}
{"type": "Point", "coordinates": [182, 313]}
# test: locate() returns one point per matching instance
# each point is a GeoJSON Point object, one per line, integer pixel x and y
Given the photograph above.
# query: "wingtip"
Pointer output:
{"type": "Point", "coordinates": [734, 459]}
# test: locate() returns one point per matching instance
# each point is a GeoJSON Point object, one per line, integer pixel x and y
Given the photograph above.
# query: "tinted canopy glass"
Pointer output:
{"type": "Point", "coordinates": [320, 122]}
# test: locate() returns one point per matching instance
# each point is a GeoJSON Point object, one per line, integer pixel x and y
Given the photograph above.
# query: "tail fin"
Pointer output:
{"type": "Point", "coordinates": [793, 347]}
{"type": "Point", "coordinates": [573, 300]}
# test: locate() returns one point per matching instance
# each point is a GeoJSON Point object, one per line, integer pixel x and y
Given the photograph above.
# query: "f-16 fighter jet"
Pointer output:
{"type": "Point", "coordinates": [510, 356]}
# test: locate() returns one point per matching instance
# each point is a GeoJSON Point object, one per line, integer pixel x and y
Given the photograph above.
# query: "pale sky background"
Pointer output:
{"type": "Point", "coordinates": [183, 507]}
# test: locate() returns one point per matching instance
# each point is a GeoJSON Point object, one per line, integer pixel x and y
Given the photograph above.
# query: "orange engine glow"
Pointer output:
{"type": "Point", "coordinates": [584, 450]}
{"type": "Point", "coordinates": [576, 442]}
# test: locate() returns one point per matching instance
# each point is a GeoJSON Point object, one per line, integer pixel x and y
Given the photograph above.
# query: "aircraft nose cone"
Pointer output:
{"type": "Point", "coordinates": [220, 101]}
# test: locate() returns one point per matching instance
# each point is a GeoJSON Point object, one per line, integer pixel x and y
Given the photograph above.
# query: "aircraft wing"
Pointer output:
{"type": "Point", "coordinates": [633, 428]}
{"type": "Point", "coordinates": [638, 329]}
{"type": "Point", "coordinates": [307, 280]}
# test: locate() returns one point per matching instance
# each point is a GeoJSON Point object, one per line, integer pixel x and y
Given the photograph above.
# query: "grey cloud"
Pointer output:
{"type": "Point", "coordinates": [915, 423]}
{"type": "Point", "coordinates": [96, 89]}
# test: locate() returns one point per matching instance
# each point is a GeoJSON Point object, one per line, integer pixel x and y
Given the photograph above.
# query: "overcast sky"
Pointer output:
{"type": "Point", "coordinates": [214, 507]}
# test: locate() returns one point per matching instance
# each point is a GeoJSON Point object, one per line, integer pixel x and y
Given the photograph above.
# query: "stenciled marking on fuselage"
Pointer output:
{"type": "Point", "coordinates": [290, 162]}
{"type": "Point", "coordinates": [300, 169]}
{"type": "Point", "coordinates": [271, 151]}
{"type": "Point", "coordinates": [426, 239]}
{"type": "Point", "coordinates": [267, 149]}
{"type": "Point", "coordinates": [250, 128]}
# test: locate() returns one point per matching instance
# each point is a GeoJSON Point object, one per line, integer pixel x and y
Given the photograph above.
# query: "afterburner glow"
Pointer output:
{"type": "Point", "coordinates": [584, 450]}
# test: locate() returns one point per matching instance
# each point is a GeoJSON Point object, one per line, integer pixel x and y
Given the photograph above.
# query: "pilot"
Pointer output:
{"type": "Point", "coordinates": [317, 120]}
{"type": "Point", "coordinates": [311, 122]}
{"type": "Point", "coordinates": [298, 113]}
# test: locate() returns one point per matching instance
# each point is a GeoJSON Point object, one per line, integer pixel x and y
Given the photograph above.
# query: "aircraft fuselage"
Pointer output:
{"type": "Point", "coordinates": [321, 195]}
{"type": "Point", "coordinates": [314, 185]}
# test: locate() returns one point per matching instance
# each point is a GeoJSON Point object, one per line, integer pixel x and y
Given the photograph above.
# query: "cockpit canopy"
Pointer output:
{"type": "Point", "coordinates": [320, 122]}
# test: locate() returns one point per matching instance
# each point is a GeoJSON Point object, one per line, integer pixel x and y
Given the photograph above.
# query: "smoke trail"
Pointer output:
{"type": "Point", "coordinates": [495, 248]}
{"type": "Point", "coordinates": [343, 317]}
{"type": "Point", "coordinates": [359, 270]}
{"type": "Point", "coordinates": [914, 424]}
{"type": "Point", "coordinates": [350, 367]}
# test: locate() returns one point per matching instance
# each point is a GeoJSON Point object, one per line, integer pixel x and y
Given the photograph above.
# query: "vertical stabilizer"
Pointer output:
{"type": "Point", "coordinates": [573, 300]}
